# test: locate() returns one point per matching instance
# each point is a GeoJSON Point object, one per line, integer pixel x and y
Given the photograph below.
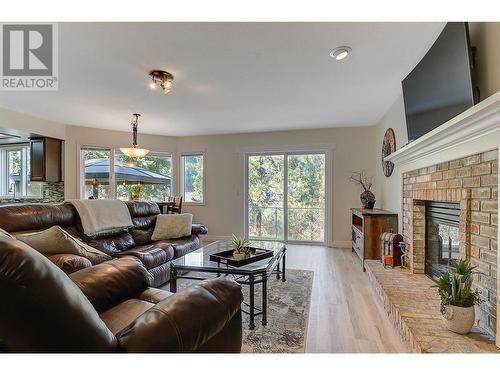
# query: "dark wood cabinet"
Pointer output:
{"type": "Point", "coordinates": [367, 226]}
{"type": "Point", "coordinates": [46, 159]}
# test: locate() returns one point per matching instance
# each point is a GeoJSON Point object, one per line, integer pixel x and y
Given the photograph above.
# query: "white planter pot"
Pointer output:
{"type": "Point", "coordinates": [459, 319]}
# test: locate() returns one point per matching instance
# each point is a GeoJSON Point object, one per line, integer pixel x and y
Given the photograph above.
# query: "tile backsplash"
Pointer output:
{"type": "Point", "coordinates": [51, 193]}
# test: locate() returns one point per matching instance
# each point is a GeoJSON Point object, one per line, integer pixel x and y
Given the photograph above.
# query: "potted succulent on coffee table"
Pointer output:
{"type": "Point", "coordinates": [241, 248]}
{"type": "Point", "coordinates": [457, 297]}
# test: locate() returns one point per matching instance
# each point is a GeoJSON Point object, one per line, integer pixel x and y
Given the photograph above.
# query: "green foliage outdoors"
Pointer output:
{"type": "Point", "coordinates": [305, 196]}
{"type": "Point", "coordinates": [193, 178]}
{"type": "Point", "coordinates": [455, 285]}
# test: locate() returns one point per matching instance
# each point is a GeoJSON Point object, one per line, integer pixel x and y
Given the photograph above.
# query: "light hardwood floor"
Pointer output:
{"type": "Point", "coordinates": [345, 314]}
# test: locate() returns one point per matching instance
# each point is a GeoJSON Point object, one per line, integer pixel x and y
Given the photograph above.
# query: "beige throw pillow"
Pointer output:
{"type": "Point", "coordinates": [171, 226]}
{"type": "Point", "coordinates": [56, 240]}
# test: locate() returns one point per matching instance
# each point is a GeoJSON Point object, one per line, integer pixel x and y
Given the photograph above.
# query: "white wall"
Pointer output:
{"type": "Point", "coordinates": [29, 124]}
{"type": "Point", "coordinates": [353, 149]}
{"type": "Point", "coordinates": [388, 189]}
{"type": "Point", "coordinates": [485, 36]}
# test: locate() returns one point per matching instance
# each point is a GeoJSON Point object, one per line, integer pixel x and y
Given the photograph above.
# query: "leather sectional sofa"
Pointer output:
{"type": "Point", "coordinates": [108, 307]}
{"type": "Point", "coordinates": [136, 241]}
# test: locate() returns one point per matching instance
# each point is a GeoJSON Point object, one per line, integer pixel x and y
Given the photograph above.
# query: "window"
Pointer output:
{"type": "Point", "coordinates": [15, 172]}
{"type": "Point", "coordinates": [96, 173]}
{"type": "Point", "coordinates": [149, 175]}
{"type": "Point", "coordinates": [108, 173]}
{"type": "Point", "coordinates": [193, 178]}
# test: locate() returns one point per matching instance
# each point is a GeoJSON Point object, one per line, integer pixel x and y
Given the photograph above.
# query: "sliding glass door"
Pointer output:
{"type": "Point", "coordinates": [266, 196]}
{"type": "Point", "coordinates": [286, 197]}
{"type": "Point", "coordinates": [306, 197]}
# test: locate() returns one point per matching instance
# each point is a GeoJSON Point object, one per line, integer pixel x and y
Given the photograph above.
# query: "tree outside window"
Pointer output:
{"type": "Point", "coordinates": [192, 178]}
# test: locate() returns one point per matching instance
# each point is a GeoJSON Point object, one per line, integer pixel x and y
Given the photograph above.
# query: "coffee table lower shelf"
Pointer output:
{"type": "Point", "coordinates": [244, 277]}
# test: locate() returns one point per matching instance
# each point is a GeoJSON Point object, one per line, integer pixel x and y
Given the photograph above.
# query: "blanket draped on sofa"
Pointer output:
{"type": "Point", "coordinates": [100, 215]}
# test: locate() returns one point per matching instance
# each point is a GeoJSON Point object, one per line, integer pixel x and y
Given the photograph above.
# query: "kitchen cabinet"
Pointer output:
{"type": "Point", "coordinates": [46, 159]}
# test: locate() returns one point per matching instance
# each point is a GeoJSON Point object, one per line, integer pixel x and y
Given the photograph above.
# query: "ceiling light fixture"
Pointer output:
{"type": "Point", "coordinates": [162, 79]}
{"type": "Point", "coordinates": [340, 53]}
{"type": "Point", "coordinates": [134, 151]}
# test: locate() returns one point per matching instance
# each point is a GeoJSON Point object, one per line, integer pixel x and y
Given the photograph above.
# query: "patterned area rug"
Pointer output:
{"type": "Point", "coordinates": [287, 315]}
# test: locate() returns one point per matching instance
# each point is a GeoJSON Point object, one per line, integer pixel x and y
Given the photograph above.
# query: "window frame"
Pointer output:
{"type": "Point", "coordinates": [112, 179]}
{"type": "Point", "coordinates": [24, 148]}
{"type": "Point", "coordinates": [181, 178]}
{"type": "Point", "coordinates": [163, 154]}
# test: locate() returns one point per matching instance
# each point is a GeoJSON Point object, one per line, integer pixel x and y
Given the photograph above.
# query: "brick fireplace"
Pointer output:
{"type": "Point", "coordinates": [472, 182]}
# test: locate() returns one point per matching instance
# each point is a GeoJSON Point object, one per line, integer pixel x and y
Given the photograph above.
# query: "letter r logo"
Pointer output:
{"type": "Point", "coordinates": [27, 50]}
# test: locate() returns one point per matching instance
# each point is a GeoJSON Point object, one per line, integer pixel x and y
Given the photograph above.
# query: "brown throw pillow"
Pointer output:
{"type": "Point", "coordinates": [56, 240]}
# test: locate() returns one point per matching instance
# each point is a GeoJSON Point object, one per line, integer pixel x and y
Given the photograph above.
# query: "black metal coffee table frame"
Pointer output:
{"type": "Point", "coordinates": [244, 277]}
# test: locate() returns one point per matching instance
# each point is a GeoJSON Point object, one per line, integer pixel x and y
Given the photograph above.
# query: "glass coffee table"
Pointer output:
{"type": "Point", "coordinates": [249, 274]}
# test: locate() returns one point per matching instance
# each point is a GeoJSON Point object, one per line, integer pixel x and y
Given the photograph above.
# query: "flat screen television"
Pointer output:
{"type": "Point", "coordinates": [441, 85]}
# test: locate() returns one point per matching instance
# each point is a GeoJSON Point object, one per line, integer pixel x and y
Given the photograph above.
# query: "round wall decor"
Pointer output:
{"type": "Point", "coordinates": [388, 147]}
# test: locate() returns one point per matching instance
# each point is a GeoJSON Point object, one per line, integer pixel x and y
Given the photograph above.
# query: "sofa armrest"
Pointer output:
{"type": "Point", "coordinates": [188, 321]}
{"type": "Point", "coordinates": [111, 282]}
{"type": "Point", "coordinates": [198, 229]}
{"type": "Point", "coordinates": [69, 263]}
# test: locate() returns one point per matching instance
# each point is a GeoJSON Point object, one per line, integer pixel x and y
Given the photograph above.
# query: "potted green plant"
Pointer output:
{"type": "Point", "coordinates": [457, 297]}
{"type": "Point", "coordinates": [136, 192]}
{"type": "Point", "coordinates": [241, 249]}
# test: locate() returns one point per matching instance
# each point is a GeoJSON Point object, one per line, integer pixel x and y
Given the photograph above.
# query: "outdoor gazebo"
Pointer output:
{"type": "Point", "coordinates": [97, 172]}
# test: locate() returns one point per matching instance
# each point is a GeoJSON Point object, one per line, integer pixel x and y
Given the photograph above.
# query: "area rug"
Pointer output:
{"type": "Point", "coordinates": [287, 315]}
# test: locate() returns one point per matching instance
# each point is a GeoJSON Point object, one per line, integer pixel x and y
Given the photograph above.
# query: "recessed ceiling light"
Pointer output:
{"type": "Point", "coordinates": [340, 53]}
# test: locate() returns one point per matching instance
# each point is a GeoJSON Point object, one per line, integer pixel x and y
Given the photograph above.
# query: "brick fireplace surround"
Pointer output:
{"type": "Point", "coordinates": [473, 182]}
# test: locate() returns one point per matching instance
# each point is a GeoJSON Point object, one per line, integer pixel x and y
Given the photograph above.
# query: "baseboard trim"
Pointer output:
{"type": "Point", "coordinates": [336, 244]}
{"type": "Point", "coordinates": [209, 238]}
{"type": "Point", "coordinates": [342, 244]}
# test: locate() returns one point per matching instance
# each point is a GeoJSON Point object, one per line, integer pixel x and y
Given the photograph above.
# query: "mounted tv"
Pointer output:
{"type": "Point", "coordinates": [441, 85]}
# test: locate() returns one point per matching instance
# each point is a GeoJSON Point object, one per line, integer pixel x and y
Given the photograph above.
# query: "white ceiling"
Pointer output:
{"type": "Point", "coordinates": [229, 77]}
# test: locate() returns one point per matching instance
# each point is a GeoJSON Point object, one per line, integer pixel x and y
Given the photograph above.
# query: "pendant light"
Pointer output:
{"type": "Point", "coordinates": [134, 151]}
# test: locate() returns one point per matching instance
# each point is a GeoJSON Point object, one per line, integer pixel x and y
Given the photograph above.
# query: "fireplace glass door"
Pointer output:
{"type": "Point", "coordinates": [442, 237]}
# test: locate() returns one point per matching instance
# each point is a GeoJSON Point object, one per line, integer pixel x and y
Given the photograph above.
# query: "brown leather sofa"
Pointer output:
{"type": "Point", "coordinates": [109, 308]}
{"type": "Point", "coordinates": [136, 241]}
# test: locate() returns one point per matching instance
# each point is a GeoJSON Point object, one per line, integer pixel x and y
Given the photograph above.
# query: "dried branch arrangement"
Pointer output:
{"type": "Point", "coordinates": [360, 178]}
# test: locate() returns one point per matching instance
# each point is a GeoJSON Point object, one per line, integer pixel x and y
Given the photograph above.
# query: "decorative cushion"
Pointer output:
{"type": "Point", "coordinates": [69, 263]}
{"type": "Point", "coordinates": [170, 226]}
{"type": "Point", "coordinates": [56, 240]}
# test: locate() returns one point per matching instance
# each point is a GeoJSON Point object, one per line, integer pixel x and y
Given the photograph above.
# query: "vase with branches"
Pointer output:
{"type": "Point", "coordinates": [367, 197]}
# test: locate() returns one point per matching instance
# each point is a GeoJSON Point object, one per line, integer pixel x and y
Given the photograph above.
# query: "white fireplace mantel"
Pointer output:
{"type": "Point", "coordinates": [479, 120]}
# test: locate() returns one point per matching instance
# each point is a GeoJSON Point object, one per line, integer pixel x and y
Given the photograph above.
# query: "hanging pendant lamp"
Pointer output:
{"type": "Point", "coordinates": [134, 151]}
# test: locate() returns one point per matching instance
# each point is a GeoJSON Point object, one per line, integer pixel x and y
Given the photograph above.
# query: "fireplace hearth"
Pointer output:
{"type": "Point", "coordinates": [442, 236]}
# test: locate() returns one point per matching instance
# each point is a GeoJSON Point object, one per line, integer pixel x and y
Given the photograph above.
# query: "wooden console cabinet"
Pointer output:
{"type": "Point", "coordinates": [367, 226]}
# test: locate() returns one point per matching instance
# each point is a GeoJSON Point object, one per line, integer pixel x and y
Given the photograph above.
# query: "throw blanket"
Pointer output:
{"type": "Point", "coordinates": [99, 215]}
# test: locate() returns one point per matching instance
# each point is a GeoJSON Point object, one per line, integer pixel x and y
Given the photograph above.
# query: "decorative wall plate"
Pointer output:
{"type": "Point", "coordinates": [388, 147]}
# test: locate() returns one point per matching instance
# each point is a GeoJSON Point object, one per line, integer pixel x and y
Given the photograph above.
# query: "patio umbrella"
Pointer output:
{"type": "Point", "coordinates": [98, 170]}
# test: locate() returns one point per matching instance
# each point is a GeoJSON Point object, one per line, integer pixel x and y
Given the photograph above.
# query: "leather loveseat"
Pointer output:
{"type": "Point", "coordinates": [136, 241]}
{"type": "Point", "coordinates": [109, 308]}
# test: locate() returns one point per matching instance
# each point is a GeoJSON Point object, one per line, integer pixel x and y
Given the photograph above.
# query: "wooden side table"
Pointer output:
{"type": "Point", "coordinates": [366, 227]}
